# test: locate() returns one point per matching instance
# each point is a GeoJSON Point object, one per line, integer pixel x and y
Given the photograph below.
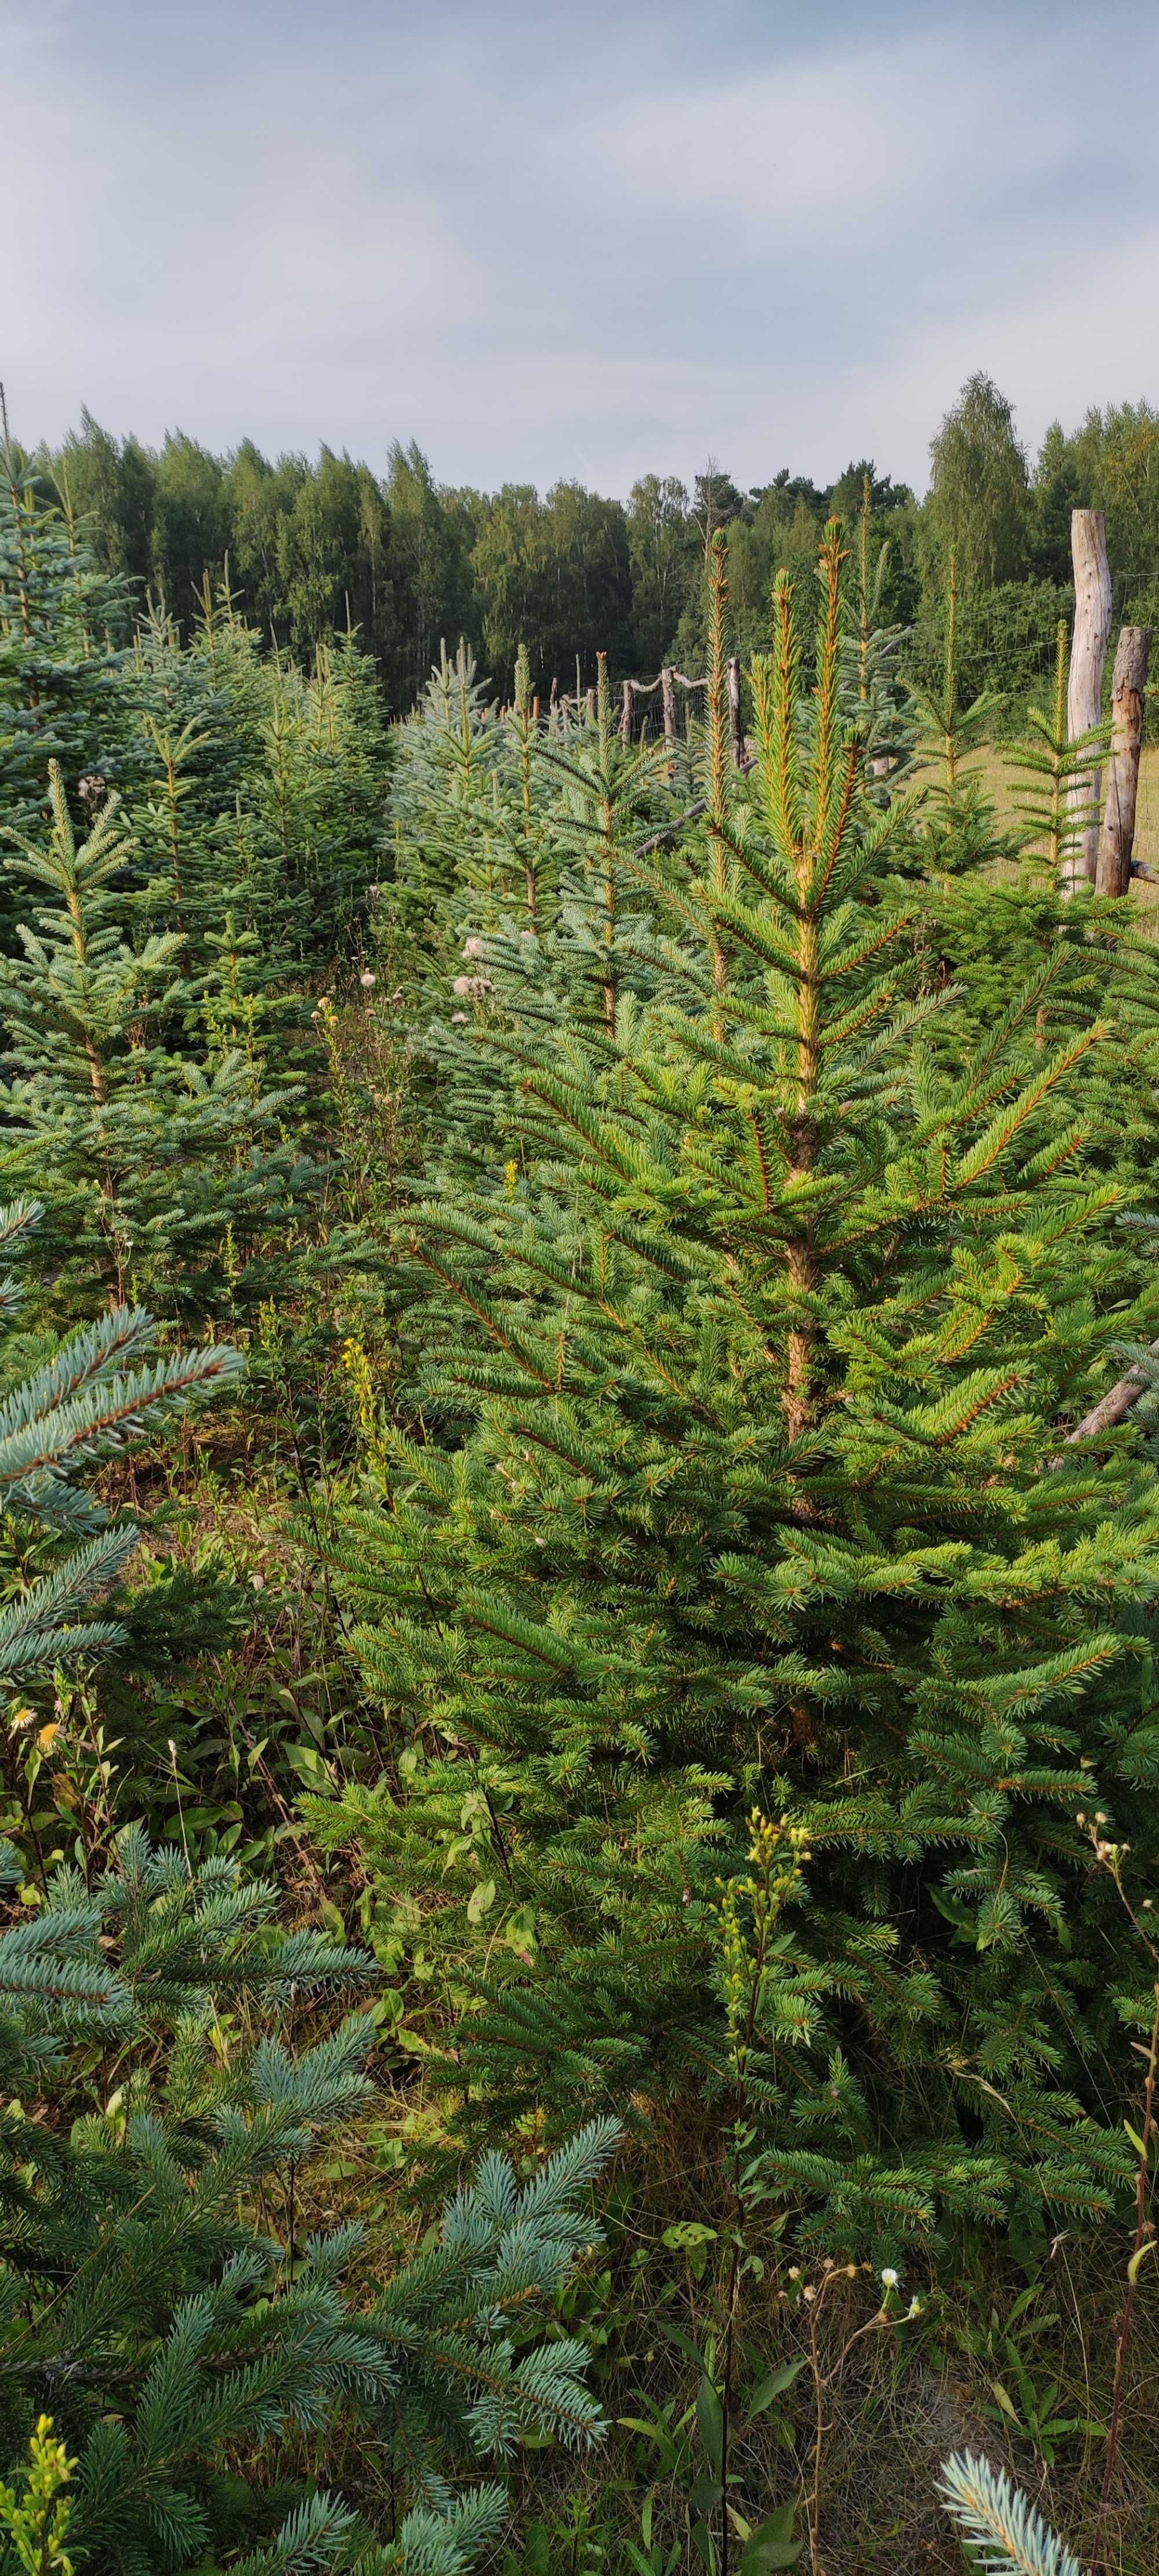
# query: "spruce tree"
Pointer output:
{"type": "Point", "coordinates": [317, 801]}
{"type": "Point", "coordinates": [255, 791]}
{"type": "Point", "coordinates": [168, 2074]}
{"type": "Point", "coordinates": [958, 826]}
{"type": "Point", "coordinates": [442, 797]}
{"type": "Point", "coordinates": [185, 766]}
{"type": "Point", "coordinates": [754, 1493]}
{"type": "Point", "coordinates": [986, 925]}
{"type": "Point", "coordinates": [103, 1389]}
{"type": "Point", "coordinates": [163, 2293]}
{"type": "Point", "coordinates": [61, 624]}
{"type": "Point", "coordinates": [511, 882]}
{"type": "Point", "coordinates": [162, 1173]}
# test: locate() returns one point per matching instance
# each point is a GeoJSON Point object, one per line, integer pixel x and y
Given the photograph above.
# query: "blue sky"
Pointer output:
{"type": "Point", "coordinates": [575, 240]}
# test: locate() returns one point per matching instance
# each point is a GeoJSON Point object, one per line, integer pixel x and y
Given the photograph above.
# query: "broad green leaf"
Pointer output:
{"type": "Point", "coordinates": [774, 2386]}
{"type": "Point", "coordinates": [771, 2546]}
{"type": "Point", "coordinates": [710, 2421]}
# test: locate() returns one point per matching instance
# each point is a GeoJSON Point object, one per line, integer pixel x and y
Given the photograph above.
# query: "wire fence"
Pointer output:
{"type": "Point", "coordinates": [670, 706]}
{"type": "Point", "coordinates": [1006, 648]}
{"type": "Point", "coordinates": [1006, 645]}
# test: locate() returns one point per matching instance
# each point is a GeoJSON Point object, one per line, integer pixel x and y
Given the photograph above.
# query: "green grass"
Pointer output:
{"type": "Point", "coordinates": [1001, 783]}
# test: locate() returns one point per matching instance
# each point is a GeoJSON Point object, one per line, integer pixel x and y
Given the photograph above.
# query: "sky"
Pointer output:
{"type": "Point", "coordinates": [575, 241]}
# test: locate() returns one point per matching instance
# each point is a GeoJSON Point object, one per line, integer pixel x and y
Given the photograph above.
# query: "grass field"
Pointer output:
{"type": "Point", "coordinates": [1002, 785]}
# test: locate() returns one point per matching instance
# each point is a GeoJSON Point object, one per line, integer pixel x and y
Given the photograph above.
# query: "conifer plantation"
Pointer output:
{"type": "Point", "coordinates": [580, 1787]}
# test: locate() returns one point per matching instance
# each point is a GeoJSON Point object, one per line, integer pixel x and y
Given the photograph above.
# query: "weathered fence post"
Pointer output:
{"type": "Point", "coordinates": [1128, 700]}
{"type": "Point", "coordinates": [626, 713]}
{"type": "Point", "coordinates": [735, 717]}
{"type": "Point", "coordinates": [1084, 705]}
{"type": "Point", "coordinates": [668, 702]}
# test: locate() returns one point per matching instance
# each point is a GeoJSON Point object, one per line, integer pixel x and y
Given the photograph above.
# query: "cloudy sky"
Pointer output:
{"type": "Point", "coordinates": [575, 239]}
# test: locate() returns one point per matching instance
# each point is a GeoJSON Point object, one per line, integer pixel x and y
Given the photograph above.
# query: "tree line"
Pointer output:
{"type": "Point", "coordinates": [404, 560]}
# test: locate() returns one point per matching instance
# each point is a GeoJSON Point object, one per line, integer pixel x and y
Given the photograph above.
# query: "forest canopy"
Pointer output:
{"type": "Point", "coordinates": [407, 561]}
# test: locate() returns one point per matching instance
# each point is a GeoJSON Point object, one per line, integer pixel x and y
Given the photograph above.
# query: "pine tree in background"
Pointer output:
{"type": "Point", "coordinates": [60, 625]}
{"type": "Point", "coordinates": [246, 778]}
{"type": "Point", "coordinates": [442, 798]}
{"type": "Point", "coordinates": [184, 766]}
{"type": "Point", "coordinates": [1047, 767]}
{"type": "Point", "coordinates": [164, 1048]}
{"type": "Point", "coordinates": [325, 811]}
{"type": "Point", "coordinates": [511, 870]}
{"type": "Point", "coordinates": [1000, 918]}
{"type": "Point", "coordinates": [255, 789]}
{"type": "Point", "coordinates": [161, 1172]}
{"type": "Point", "coordinates": [763, 1354]}
{"type": "Point", "coordinates": [961, 832]}
{"type": "Point", "coordinates": [871, 651]}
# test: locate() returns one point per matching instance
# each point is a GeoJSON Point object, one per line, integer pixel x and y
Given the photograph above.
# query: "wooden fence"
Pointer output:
{"type": "Point", "coordinates": [633, 720]}
{"type": "Point", "coordinates": [1100, 848]}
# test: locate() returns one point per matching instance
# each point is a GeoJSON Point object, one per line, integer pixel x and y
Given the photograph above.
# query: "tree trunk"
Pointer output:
{"type": "Point", "coordinates": [1084, 705]}
{"type": "Point", "coordinates": [1128, 699]}
{"type": "Point", "coordinates": [668, 702]}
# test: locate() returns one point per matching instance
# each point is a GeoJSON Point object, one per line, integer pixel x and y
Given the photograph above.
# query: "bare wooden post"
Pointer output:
{"type": "Point", "coordinates": [668, 702]}
{"type": "Point", "coordinates": [626, 713]}
{"type": "Point", "coordinates": [735, 717]}
{"type": "Point", "coordinates": [1128, 700]}
{"type": "Point", "coordinates": [1084, 705]}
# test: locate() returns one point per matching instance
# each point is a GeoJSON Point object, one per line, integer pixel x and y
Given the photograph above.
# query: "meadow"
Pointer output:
{"type": "Point", "coordinates": [992, 768]}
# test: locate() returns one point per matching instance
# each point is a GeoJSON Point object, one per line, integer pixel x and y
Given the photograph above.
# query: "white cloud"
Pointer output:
{"type": "Point", "coordinates": [551, 244]}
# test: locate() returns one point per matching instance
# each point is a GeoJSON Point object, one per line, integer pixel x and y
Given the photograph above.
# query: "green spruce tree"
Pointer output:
{"type": "Point", "coordinates": [754, 1493]}
{"type": "Point", "coordinates": [103, 1389]}
{"type": "Point", "coordinates": [162, 2293]}
{"type": "Point", "coordinates": [169, 2074]}
{"type": "Point", "coordinates": [62, 623]}
{"type": "Point", "coordinates": [161, 1172]}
